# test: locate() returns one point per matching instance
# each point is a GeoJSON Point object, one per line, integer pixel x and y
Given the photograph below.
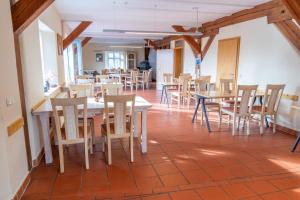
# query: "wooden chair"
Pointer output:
{"type": "Point", "coordinates": [270, 105]}
{"type": "Point", "coordinates": [112, 89]}
{"type": "Point", "coordinates": [144, 79]}
{"type": "Point", "coordinates": [70, 132]}
{"type": "Point", "coordinates": [227, 86]}
{"type": "Point", "coordinates": [168, 78]}
{"type": "Point", "coordinates": [202, 84]}
{"type": "Point", "coordinates": [81, 90]}
{"type": "Point", "coordinates": [99, 78]}
{"type": "Point", "coordinates": [104, 72]}
{"type": "Point", "coordinates": [122, 108]}
{"type": "Point", "coordinates": [183, 93]}
{"type": "Point", "coordinates": [245, 95]}
{"type": "Point", "coordinates": [132, 80]}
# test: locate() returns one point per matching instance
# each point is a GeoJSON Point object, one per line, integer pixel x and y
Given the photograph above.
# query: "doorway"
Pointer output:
{"type": "Point", "coordinates": [228, 59]}
{"type": "Point", "coordinates": [178, 61]}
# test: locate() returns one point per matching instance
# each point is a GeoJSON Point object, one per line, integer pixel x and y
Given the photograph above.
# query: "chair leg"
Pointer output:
{"type": "Point", "coordinates": [109, 151]}
{"type": "Point", "coordinates": [248, 125]}
{"type": "Point", "coordinates": [274, 123]}
{"type": "Point", "coordinates": [103, 144]}
{"type": "Point", "coordinates": [201, 116]}
{"type": "Point", "coordinates": [86, 152]}
{"type": "Point", "coordinates": [261, 127]}
{"type": "Point", "coordinates": [131, 87]}
{"type": "Point", "coordinates": [91, 145]}
{"type": "Point", "coordinates": [220, 119]}
{"type": "Point", "coordinates": [178, 102]}
{"type": "Point", "coordinates": [61, 158]}
{"type": "Point", "coordinates": [233, 125]}
{"type": "Point", "coordinates": [131, 148]}
{"type": "Point", "coordinates": [239, 121]}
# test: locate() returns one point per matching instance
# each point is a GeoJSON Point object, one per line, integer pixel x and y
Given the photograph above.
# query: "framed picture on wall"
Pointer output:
{"type": "Point", "coordinates": [59, 44]}
{"type": "Point", "coordinates": [99, 57]}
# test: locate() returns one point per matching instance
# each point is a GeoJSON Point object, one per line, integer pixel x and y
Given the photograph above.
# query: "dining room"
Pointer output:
{"type": "Point", "coordinates": [150, 99]}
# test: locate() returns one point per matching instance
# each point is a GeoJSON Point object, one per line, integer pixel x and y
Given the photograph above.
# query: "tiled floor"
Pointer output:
{"type": "Point", "coordinates": [184, 161]}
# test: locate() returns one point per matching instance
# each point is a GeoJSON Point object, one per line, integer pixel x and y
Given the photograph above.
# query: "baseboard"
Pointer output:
{"type": "Point", "coordinates": [37, 161]}
{"type": "Point", "coordinates": [286, 130]}
{"type": "Point", "coordinates": [22, 188]}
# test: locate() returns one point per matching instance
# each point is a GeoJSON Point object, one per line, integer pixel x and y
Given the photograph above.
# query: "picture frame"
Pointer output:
{"type": "Point", "coordinates": [59, 44]}
{"type": "Point", "coordinates": [99, 57]}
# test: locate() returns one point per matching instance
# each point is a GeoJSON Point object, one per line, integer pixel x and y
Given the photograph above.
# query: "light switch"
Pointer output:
{"type": "Point", "coordinates": [10, 101]}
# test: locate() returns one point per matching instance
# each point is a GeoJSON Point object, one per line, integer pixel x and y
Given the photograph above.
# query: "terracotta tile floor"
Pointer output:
{"type": "Point", "coordinates": [184, 161]}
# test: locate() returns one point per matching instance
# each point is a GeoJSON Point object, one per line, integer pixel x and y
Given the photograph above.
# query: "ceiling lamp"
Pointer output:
{"type": "Point", "coordinates": [142, 32]}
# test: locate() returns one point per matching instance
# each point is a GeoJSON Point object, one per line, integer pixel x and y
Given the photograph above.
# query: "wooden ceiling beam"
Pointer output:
{"type": "Point", "coordinates": [207, 45]}
{"type": "Point", "coordinates": [75, 33]}
{"type": "Point", "coordinates": [85, 41]}
{"type": "Point", "coordinates": [151, 43]}
{"type": "Point", "coordinates": [195, 46]}
{"type": "Point", "coordinates": [24, 12]}
{"type": "Point", "coordinates": [294, 8]}
{"type": "Point", "coordinates": [289, 33]}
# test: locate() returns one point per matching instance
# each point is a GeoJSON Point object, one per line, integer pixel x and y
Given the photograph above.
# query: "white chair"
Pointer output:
{"type": "Point", "coordinates": [183, 93]}
{"type": "Point", "coordinates": [131, 81]}
{"type": "Point", "coordinates": [121, 125]}
{"type": "Point", "coordinates": [112, 89]}
{"type": "Point", "coordinates": [227, 86]}
{"type": "Point", "coordinates": [99, 78]}
{"type": "Point", "coordinates": [70, 132]}
{"type": "Point", "coordinates": [270, 105]}
{"type": "Point", "coordinates": [81, 90]}
{"type": "Point", "coordinates": [144, 79]}
{"type": "Point", "coordinates": [168, 78]}
{"type": "Point", "coordinates": [242, 108]}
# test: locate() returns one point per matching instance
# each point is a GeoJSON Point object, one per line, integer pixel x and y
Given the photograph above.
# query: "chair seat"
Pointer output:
{"type": "Point", "coordinates": [258, 109]}
{"type": "Point", "coordinates": [112, 129]}
{"type": "Point", "coordinates": [230, 111]}
{"type": "Point", "coordinates": [81, 135]}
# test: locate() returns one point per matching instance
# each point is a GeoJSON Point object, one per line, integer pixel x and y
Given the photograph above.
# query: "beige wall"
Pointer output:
{"type": "Point", "coordinates": [32, 70]}
{"type": "Point", "coordinates": [89, 55]}
{"type": "Point", "coordinates": [13, 164]}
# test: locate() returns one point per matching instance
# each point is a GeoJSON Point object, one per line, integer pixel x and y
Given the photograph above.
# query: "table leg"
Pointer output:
{"type": "Point", "coordinates": [296, 143]}
{"type": "Point", "coordinates": [144, 131]}
{"type": "Point", "coordinates": [196, 109]}
{"type": "Point", "coordinates": [205, 114]}
{"type": "Point", "coordinates": [43, 120]}
{"type": "Point", "coordinates": [135, 128]}
{"type": "Point", "coordinates": [167, 98]}
{"type": "Point", "coordinates": [162, 94]}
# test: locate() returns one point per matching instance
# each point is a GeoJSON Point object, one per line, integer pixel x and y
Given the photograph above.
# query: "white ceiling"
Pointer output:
{"type": "Point", "coordinates": [158, 15]}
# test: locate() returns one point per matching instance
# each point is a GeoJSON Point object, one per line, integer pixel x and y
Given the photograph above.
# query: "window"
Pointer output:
{"type": "Point", "coordinates": [115, 59]}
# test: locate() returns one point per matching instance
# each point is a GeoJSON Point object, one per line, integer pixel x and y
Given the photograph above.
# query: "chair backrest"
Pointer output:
{"type": "Point", "coordinates": [168, 78]}
{"type": "Point", "coordinates": [185, 74]}
{"type": "Point", "coordinates": [134, 75]}
{"type": "Point", "coordinates": [202, 84]}
{"type": "Point", "coordinates": [272, 98]}
{"type": "Point", "coordinates": [122, 107]}
{"type": "Point", "coordinates": [101, 77]}
{"type": "Point", "coordinates": [244, 99]}
{"type": "Point", "coordinates": [70, 109]}
{"type": "Point", "coordinates": [81, 90]}
{"type": "Point", "coordinates": [104, 71]}
{"type": "Point", "coordinates": [184, 84]}
{"type": "Point", "coordinates": [227, 85]}
{"type": "Point", "coordinates": [112, 89]}
{"type": "Point", "coordinates": [146, 76]}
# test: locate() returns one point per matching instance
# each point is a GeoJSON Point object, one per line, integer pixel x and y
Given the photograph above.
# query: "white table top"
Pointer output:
{"type": "Point", "coordinates": [92, 105]}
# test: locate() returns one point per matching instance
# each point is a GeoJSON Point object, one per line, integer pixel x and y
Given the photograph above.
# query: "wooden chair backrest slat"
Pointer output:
{"type": "Point", "coordinates": [245, 98]}
{"type": "Point", "coordinates": [82, 90]}
{"type": "Point", "coordinates": [123, 108]}
{"type": "Point", "coordinates": [69, 109]}
{"type": "Point", "coordinates": [272, 98]}
{"type": "Point", "coordinates": [112, 89]}
{"type": "Point", "coordinates": [168, 78]}
{"type": "Point", "coordinates": [227, 85]}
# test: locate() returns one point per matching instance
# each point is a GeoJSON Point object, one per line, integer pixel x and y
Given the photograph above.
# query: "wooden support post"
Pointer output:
{"type": "Point", "coordinates": [207, 45]}
{"type": "Point", "coordinates": [294, 8]}
{"type": "Point", "coordinates": [75, 33]}
{"type": "Point", "coordinates": [85, 41]}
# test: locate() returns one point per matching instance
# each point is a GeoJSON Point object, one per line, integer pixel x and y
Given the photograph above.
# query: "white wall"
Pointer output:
{"type": "Point", "coordinates": [164, 64]}
{"type": "Point", "coordinates": [32, 70]}
{"type": "Point", "coordinates": [89, 55]}
{"type": "Point", "coordinates": [13, 163]}
{"type": "Point", "coordinates": [266, 56]}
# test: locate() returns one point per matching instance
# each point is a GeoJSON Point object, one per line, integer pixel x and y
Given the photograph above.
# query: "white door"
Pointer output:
{"type": "Point", "coordinates": [164, 64]}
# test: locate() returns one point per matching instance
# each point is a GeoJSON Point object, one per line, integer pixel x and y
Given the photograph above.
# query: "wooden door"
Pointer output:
{"type": "Point", "coordinates": [228, 58]}
{"type": "Point", "coordinates": [177, 62]}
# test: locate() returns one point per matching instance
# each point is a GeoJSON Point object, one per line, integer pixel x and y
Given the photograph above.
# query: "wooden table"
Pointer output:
{"type": "Point", "coordinates": [44, 111]}
{"type": "Point", "coordinates": [203, 96]}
